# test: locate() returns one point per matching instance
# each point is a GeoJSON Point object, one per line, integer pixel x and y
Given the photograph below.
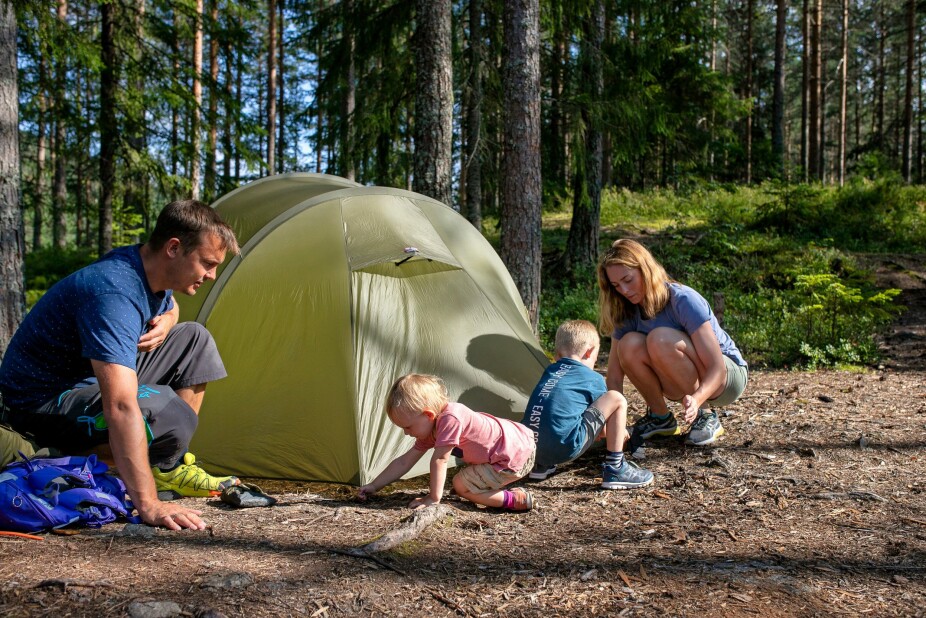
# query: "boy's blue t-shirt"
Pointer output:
{"type": "Point", "coordinates": [98, 312]}
{"type": "Point", "coordinates": [686, 311]}
{"type": "Point", "coordinates": [554, 410]}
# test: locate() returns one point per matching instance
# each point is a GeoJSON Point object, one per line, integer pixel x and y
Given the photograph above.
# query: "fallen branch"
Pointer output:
{"type": "Point", "coordinates": [64, 583]}
{"type": "Point", "coordinates": [448, 602]}
{"type": "Point", "coordinates": [409, 529]}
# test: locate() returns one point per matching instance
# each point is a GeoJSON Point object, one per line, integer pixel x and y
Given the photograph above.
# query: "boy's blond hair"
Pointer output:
{"type": "Point", "coordinates": [574, 337]}
{"type": "Point", "coordinates": [414, 392]}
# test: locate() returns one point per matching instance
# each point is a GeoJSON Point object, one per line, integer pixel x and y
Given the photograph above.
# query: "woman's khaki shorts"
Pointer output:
{"type": "Point", "coordinates": [737, 376]}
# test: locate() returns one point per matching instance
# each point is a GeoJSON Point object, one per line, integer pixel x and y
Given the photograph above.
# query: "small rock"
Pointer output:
{"type": "Point", "coordinates": [153, 609]}
{"type": "Point", "coordinates": [590, 574]}
{"type": "Point", "coordinates": [825, 398]}
{"type": "Point", "coordinates": [138, 530]}
{"type": "Point", "coordinates": [226, 582]}
{"type": "Point", "coordinates": [863, 442]}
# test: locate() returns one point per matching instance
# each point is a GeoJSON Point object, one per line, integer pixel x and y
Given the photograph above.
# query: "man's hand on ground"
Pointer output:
{"type": "Point", "coordinates": [172, 516]}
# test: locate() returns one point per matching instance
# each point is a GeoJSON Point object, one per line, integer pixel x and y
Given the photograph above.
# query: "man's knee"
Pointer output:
{"type": "Point", "coordinates": [172, 422]}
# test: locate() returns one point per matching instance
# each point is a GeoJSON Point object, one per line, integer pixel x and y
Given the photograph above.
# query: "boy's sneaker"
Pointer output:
{"type": "Point", "coordinates": [188, 480]}
{"type": "Point", "coordinates": [522, 500]}
{"type": "Point", "coordinates": [649, 426]}
{"type": "Point", "coordinates": [628, 476]}
{"type": "Point", "coordinates": [705, 429]}
{"type": "Point", "coordinates": [541, 472]}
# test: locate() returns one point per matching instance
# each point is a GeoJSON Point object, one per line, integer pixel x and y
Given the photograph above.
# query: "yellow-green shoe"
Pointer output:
{"type": "Point", "coordinates": [188, 480]}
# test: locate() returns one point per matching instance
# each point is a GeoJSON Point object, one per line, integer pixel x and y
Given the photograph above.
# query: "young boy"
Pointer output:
{"type": "Point", "coordinates": [499, 451]}
{"type": "Point", "coordinates": [570, 406]}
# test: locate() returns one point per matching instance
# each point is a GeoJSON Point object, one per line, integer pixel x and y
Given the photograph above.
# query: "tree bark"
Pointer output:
{"type": "Point", "coordinates": [281, 75]}
{"type": "Point", "coordinates": [844, 93]}
{"type": "Point", "coordinates": [433, 100]}
{"type": "Point", "coordinates": [474, 118]}
{"type": "Point", "coordinates": [196, 116]}
{"type": "Point", "coordinates": [582, 243]}
{"type": "Point", "coordinates": [778, 97]}
{"type": "Point", "coordinates": [805, 92]}
{"type": "Point", "coordinates": [271, 86]}
{"type": "Point", "coordinates": [59, 192]}
{"type": "Point", "coordinates": [209, 179]}
{"type": "Point", "coordinates": [750, 10]}
{"type": "Point", "coordinates": [521, 182]}
{"type": "Point", "coordinates": [41, 154]}
{"type": "Point", "coordinates": [12, 233]}
{"type": "Point", "coordinates": [349, 103]}
{"type": "Point", "coordinates": [907, 155]}
{"type": "Point", "coordinates": [109, 77]}
{"type": "Point", "coordinates": [815, 91]}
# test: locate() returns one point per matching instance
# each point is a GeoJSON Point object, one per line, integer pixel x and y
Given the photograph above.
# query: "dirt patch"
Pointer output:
{"type": "Point", "coordinates": [812, 504]}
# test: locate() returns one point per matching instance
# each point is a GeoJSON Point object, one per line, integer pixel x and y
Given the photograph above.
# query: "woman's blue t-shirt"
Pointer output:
{"type": "Point", "coordinates": [686, 311]}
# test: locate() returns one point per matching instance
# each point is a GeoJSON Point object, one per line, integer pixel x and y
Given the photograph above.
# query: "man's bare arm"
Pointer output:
{"type": "Point", "coordinates": [127, 439]}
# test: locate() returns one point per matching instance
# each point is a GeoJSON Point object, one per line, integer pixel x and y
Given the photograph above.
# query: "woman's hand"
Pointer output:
{"type": "Point", "coordinates": [690, 407]}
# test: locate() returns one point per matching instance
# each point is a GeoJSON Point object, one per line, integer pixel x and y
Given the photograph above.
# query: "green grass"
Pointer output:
{"type": "Point", "coordinates": [780, 255]}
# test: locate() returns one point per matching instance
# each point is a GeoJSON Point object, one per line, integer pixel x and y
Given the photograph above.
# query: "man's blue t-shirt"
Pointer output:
{"type": "Point", "coordinates": [686, 311]}
{"type": "Point", "coordinates": [554, 410]}
{"type": "Point", "coordinates": [98, 312]}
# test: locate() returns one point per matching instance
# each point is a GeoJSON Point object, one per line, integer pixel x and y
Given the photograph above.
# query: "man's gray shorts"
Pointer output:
{"type": "Point", "coordinates": [73, 421]}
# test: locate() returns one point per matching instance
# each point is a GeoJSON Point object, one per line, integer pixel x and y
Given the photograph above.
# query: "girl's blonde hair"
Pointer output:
{"type": "Point", "coordinates": [414, 392]}
{"type": "Point", "coordinates": [613, 308]}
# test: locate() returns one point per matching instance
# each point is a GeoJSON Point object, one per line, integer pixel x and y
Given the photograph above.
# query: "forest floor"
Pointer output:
{"type": "Point", "coordinates": [812, 504]}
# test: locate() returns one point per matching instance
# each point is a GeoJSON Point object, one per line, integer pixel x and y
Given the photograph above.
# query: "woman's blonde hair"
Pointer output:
{"type": "Point", "coordinates": [613, 308]}
{"type": "Point", "coordinates": [414, 392]}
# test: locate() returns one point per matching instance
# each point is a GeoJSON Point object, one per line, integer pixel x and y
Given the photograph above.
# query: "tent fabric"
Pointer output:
{"type": "Point", "coordinates": [333, 298]}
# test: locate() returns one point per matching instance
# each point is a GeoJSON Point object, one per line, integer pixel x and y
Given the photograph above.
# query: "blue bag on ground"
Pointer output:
{"type": "Point", "coordinates": [42, 494]}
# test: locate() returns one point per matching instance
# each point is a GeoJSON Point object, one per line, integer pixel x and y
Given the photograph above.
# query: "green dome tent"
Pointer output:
{"type": "Point", "coordinates": [340, 289]}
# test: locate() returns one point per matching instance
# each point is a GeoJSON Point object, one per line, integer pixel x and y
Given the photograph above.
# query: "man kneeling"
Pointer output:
{"type": "Point", "coordinates": [101, 359]}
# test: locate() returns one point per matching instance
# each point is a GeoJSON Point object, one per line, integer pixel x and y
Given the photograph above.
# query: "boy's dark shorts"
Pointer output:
{"type": "Point", "coordinates": [593, 421]}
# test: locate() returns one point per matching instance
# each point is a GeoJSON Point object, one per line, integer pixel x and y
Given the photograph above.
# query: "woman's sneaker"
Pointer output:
{"type": "Point", "coordinates": [706, 428]}
{"type": "Point", "coordinates": [628, 476]}
{"type": "Point", "coordinates": [188, 480]}
{"type": "Point", "coordinates": [649, 426]}
{"type": "Point", "coordinates": [541, 472]}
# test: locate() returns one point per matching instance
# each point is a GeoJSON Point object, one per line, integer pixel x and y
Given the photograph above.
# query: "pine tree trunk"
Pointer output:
{"type": "Point", "coordinates": [433, 100]}
{"type": "Point", "coordinates": [474, 119]}
{"type": "Point", "coordinates": [907, 155]}
{"type": "Point", "coordinates": [521, 182]}
{"type": "Point", "coordinates": [778, 97]}
{"type": "Point", "coordinates": [815, 91]}
{"type": "Point", "coordinates": [229, 118]}
{"type": "Point", "coordinates": [12, 233]}
{"type": "Point", "coordinates": [38, 197]}
{"type": "Point", "coordinates": [558, 52]}
{"type": "Point", "coordinates": [805, 92]}
{"type": "Point", "coordinates": [844, 93]}
{"type": "Point", "coordinates": [349, 102]}
{"type": "Point", "coordinates": [109, 77]}
{"type": "Point", "coordinates": [59, 193]}
{"type": "Point", "coordinates": [749, 63]}
{"type": "Point", "coordinates": [195, 120]}
{"type": "Point", "coordinates": [582, 243]}
{"type": "Point", "coordinates": [281, 103]}
{"type": "Point", "coordinates": [209, 180]}
{"type": "Point", "coordinates": [271, 86]}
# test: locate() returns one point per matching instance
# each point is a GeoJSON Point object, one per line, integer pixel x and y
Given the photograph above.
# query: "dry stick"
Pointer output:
{"type": "Point", "coordinates": [72, 582]}
{"type": "Point", "coordinates": [409, 528]}
{"type": "Point", "coordinates": [448, 602]}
